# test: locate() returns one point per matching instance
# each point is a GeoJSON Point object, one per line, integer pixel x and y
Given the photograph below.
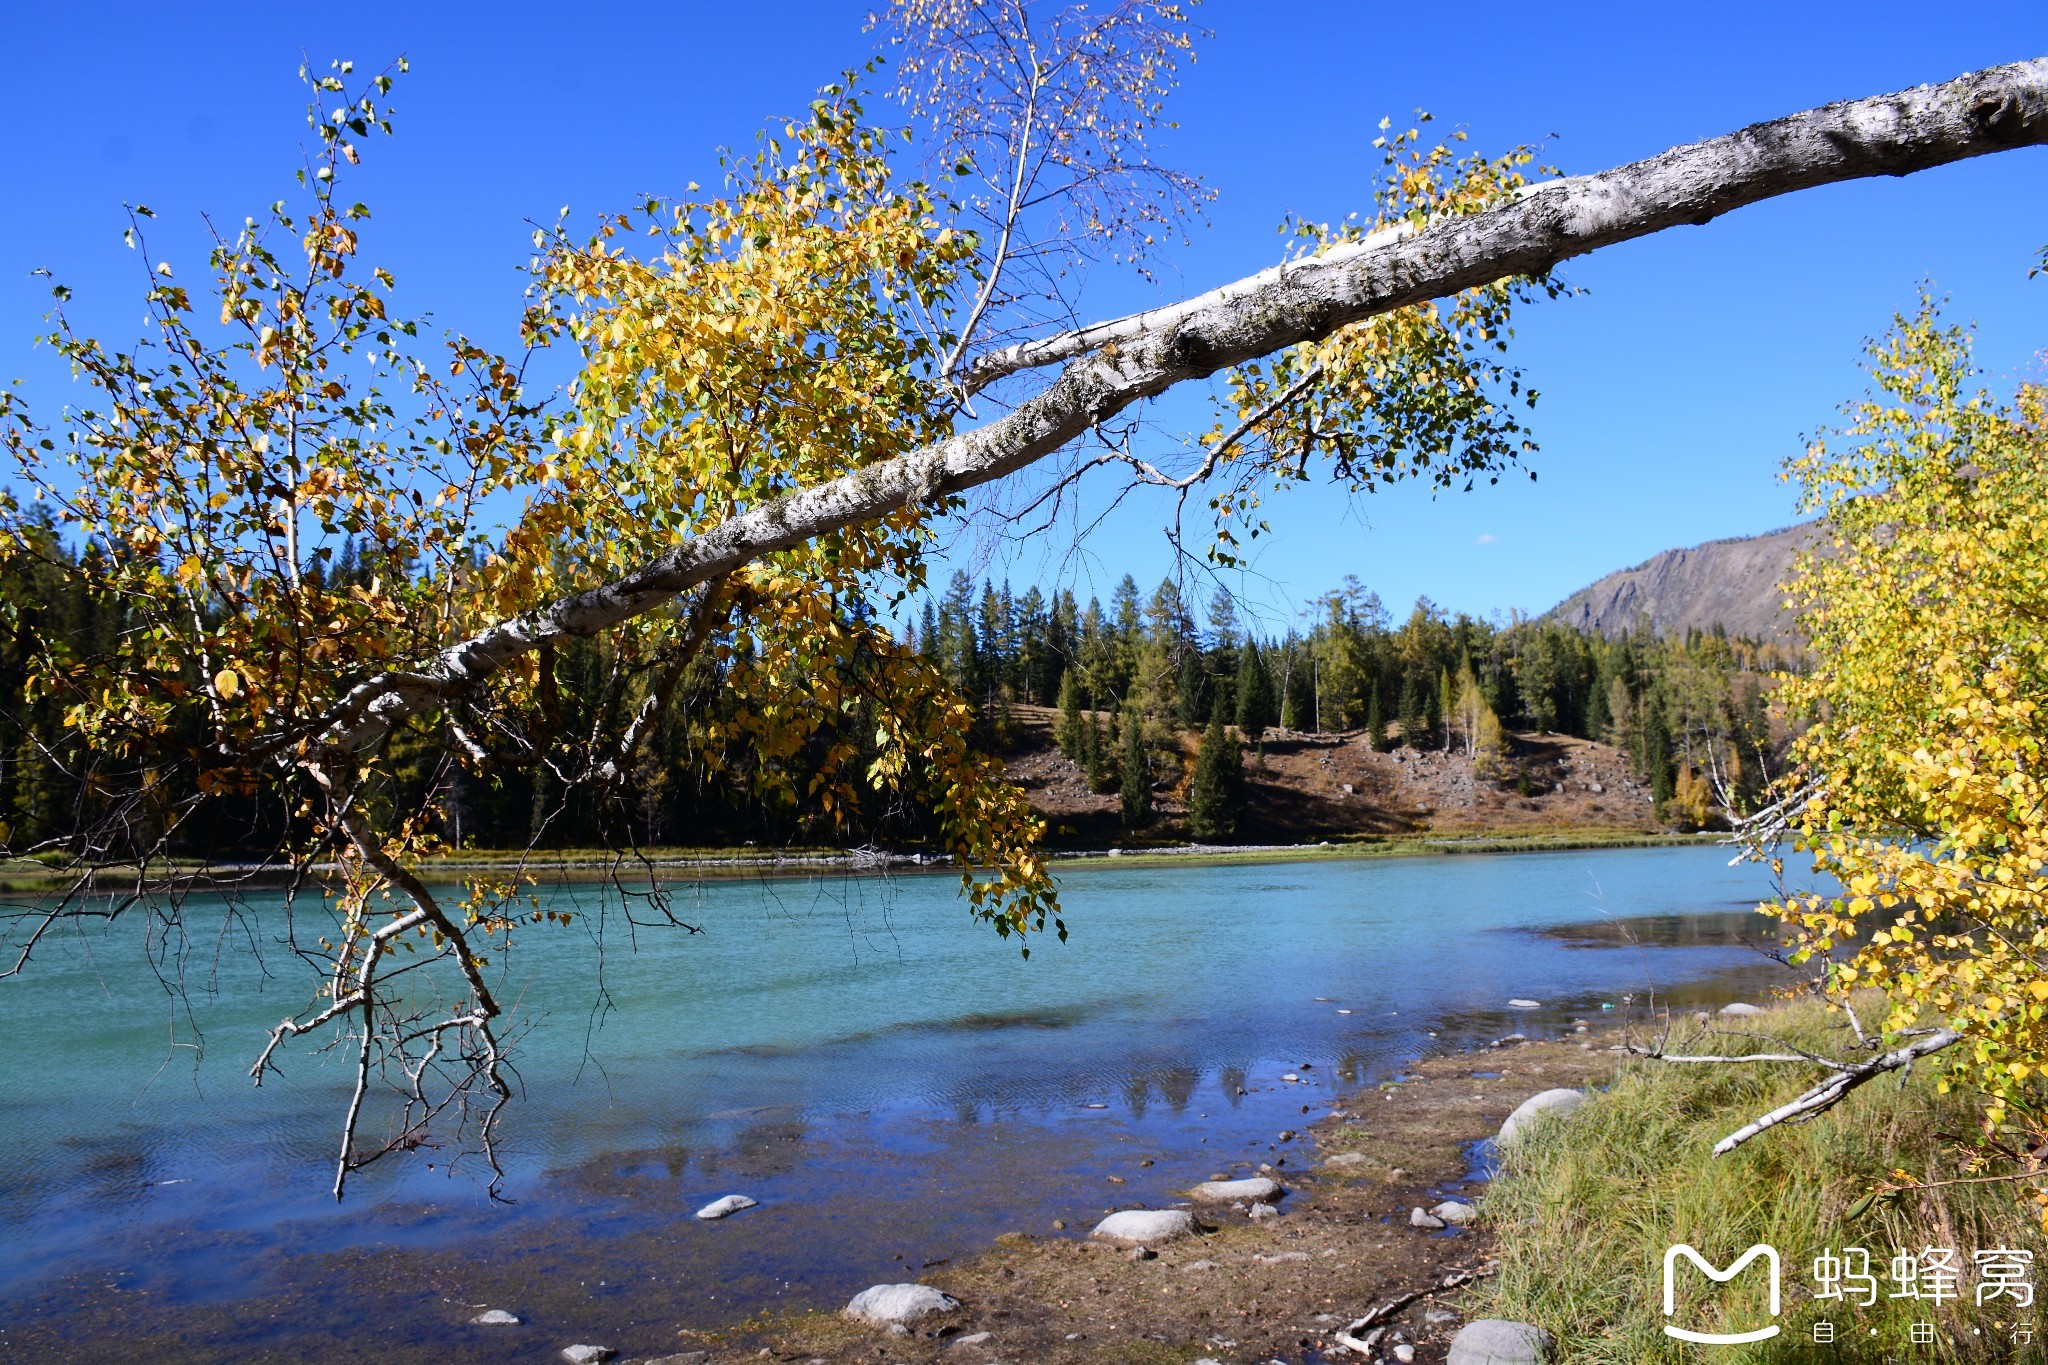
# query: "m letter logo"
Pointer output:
{"type": "Point", "coordinates": [1768, 1253]}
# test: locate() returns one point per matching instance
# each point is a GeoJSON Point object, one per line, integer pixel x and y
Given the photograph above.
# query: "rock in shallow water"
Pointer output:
{"type": "Point", "coordinates": [892, 1305]}
{"type": "Point", "coordinates": [731, 1204]}
{"type": "Point", "coordinates": [587, 1355]}
{"type": "Point", "coordinates": [495, 1317]}
{"type": "Point", "coordinates": [1496, 1341]}
{"type": "Point", "coordinates": [1423, 1218]}
{"type": "Point", "coordinates": [1145, 1227]}
{"type": "Point", "coordinates": [1456, 1211]}
{"type": "Point", "coordinates": [1258, 1189]}
{"type": "Point", "coordinates": [1559, 1102]}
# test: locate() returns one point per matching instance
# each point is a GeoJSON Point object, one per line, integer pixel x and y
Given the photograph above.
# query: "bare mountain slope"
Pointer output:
{"type": "Point", "coordinates": [1733, 583]}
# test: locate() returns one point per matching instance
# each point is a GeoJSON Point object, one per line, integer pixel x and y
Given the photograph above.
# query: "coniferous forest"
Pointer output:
{"type": "Point", "coordinates": [1131, 681]}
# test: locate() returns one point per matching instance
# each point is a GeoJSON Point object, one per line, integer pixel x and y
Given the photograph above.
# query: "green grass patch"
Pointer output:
{"type": "Point", "coordinates": [1586, 1208]}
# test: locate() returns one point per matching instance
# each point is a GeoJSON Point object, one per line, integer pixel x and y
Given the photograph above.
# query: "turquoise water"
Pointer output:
{"type": "Point", "coordinates": [827, 1045]}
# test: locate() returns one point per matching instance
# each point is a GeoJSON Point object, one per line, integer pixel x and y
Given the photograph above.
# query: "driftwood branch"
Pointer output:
{"type": "Point", "coordinates": [1110, 367]}
{"type": "Point", "coordinates": [1842, 1077]}
{"type": "Point", "coordinates": [1374, 1317]}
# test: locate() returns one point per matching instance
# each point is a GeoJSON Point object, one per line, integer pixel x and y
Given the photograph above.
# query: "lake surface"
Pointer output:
{"type": "Point", "coordinates": [892, 1082]}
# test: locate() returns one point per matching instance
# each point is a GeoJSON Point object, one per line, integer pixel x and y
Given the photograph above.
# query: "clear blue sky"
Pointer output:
{"type": "Point", "coordinates": [1671, 391]}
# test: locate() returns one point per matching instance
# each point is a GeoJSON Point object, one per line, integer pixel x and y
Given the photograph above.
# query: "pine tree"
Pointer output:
{"type": "Point", "coordinates": [1135, 772]}
{"type": "Point", "coordinates": [1097, 755]}
{"type": "Point", "coordinates": [1216, 795]}
{"type": "Point", "coordinates": [1375, 721]}
{"type": "Point", "coordinates": [1070, 716]}
{"type": "Point", "coordinates": [1295, 707]}
{"type": "Point", "coordinates": [1256, 707]}
{"type": "Point", "coordinates": [1414, 723]}
{"type": "Point", "coordinates": [1446, 703]}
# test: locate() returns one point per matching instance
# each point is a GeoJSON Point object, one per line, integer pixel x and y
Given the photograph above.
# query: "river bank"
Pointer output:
{"type": "Point", "coordinates": [555, 867]}
{"type": "Point", "coordinates": [1242, 1288]}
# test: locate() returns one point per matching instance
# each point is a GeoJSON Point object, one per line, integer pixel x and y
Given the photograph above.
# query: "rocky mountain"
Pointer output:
{"type": "Point", "coordinates": [1733, 583]}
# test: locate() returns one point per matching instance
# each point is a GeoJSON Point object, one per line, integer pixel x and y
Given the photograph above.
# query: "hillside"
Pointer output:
{"type": "Point", "coordinates": [1731, 583]}
{"type": "Point", "coordinates": [1332, 786]}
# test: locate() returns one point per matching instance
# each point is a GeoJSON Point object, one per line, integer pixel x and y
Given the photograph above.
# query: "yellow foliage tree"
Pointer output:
{"type": "Point", "coordinates": [1918, 785]}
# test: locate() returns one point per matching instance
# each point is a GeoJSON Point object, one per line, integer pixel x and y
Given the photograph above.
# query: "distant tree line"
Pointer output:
{"type": "Point", "coordinates": [1689, 711]}
{"type": "Point", "coordinates": [1133, 684]}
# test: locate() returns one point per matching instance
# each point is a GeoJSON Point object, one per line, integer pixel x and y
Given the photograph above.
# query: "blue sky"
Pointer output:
{"type": "Point", "coordinates": [1672, 389]}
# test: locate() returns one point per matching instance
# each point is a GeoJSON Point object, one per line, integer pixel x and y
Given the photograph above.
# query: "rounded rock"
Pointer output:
{"type": "Point", "coordinates": [587, 1355]}
{"type": "Point", "coordinates": [1558, 1102]}
{"type": "Point", "coordinates": [1257, 1190]}
{"type": "Point", "coordinates": [1497, 1341]}
{"type": "Point", "coordinates": [722, 1208]}
{"type": "Point", "coordinates": [1739, 1010]}
{"type": "Point", "coordinates": [1456, 1212]}
{"type": "Point", "coordinates": [495, 1317]}
{"type": "Point", "coordinates": [1423, 1218]}
{"type": "Point", "coordinates": [1145, 1227]}
{"type": "Point", "coordinates": [895, 1305]}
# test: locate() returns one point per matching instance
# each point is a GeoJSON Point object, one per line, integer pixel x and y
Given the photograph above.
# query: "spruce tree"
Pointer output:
{"type": "Point", "coordinates": [1375, 721]}
{"type": "Point", "coordinates": [1135, 772]}
{"type": "Point", "coordinates": [1216, 796]}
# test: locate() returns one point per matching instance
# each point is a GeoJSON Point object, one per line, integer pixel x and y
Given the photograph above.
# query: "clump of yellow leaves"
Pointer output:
{"type": "Point", "coordinates": [1423, 392]}
{"type": "Point", "coordinates": [1920, 774]}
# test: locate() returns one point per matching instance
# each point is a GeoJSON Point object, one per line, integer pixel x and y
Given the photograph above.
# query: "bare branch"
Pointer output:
{"type": "Point", "coordinates": [1830, 1092]}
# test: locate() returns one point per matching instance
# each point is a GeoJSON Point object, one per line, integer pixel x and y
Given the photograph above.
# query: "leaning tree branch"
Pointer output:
{"type": "Point", "coordinates": [1111, 367]}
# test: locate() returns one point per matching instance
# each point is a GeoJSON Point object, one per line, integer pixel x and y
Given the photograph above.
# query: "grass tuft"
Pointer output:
{"type": "Point", "coordinates": [1585, 1208]}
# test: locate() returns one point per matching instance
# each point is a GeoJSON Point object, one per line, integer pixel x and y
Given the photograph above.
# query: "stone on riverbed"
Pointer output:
{"type": "Point", "coordinates": [893, 1305]}
{"type": "Point", "coordinates": [1256, 1190]}
{"type": "Point", "coordinates": [1423, 1218]}
{"type": "Point", "coordinates": [1456, 1211]}
{"type": "Point", "coordinates": [1558, 1102]}
{"type": "Point", "coordinates": [495, 1317]}
{"type": "Point", "coordinates": [587, 1355]}
{"type": "Point", "coordinates": [731, 1204]}
{"type": "Point", "coordinates": [1496, 1341]}
{"type": "Point", "coordinates": [1264, 1213]}
{"type": "Point", "coordinates": [1525, 1004]}
{"type": "Point", "coordinates": [1145, 1227]}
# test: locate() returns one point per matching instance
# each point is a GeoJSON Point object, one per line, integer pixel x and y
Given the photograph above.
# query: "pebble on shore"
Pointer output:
{"type": "Point", "coordinates": [1145, 1227]}
{"type": "Point", "coordinates": [1257, 1189]}
{"type": "Point", "coordinates": [896, 1305]}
